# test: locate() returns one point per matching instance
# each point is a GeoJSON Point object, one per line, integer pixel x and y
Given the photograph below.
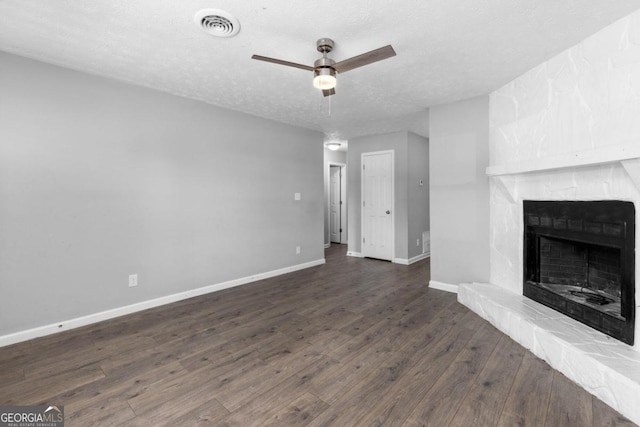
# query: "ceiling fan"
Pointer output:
{"type": "Point", "coordinates": [325, 69]}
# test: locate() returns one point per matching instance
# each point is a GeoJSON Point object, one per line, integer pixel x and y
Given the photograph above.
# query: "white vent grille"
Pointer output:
{"type": "Point", "coordinates": [426, 242]}
{"type": "Point", "coordinates": [217, 22]}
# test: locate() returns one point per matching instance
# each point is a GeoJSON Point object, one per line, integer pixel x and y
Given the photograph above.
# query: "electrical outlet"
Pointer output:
{"type": "Point", "coordinates": [133, 280]}
{"type": "Point", "coordinates": [296, 196]}
{"type": "Point", "coordinates": [417, 242]}
{"type": "Point", "coordinates": [297, 250]}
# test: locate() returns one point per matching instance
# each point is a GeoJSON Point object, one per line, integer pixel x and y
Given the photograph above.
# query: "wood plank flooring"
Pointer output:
{"type": "Point", "coordinates": [355, 342]}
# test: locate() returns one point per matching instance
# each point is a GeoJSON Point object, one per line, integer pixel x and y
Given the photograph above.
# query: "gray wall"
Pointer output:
{"type": "Point", "coordinates": [409, 216]}
{"type": "Point", "coordinates": [459, 191]}
{"type": "Point", "coordinates": [100, 179]}
{"type": "Point", "coordinates": [330, 157]}
{"type": "Point", "coordinates": [418, 196]}
{"type": "Point", "coordinates": [393, 141]}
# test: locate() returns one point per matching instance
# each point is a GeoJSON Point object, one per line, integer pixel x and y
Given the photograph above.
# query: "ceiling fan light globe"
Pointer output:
{"type": "Point", "coordinates": [324, 78]}
{"type": "Point", "coordinates": [324, 82]}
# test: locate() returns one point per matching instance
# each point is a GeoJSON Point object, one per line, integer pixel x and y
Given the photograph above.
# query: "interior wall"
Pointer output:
{"type": "Point", "coordinates": [100, 179]}
{"type": "Point", "coordinates": [418, 195]}
{"type": "Point", "coordinates": [330, 157]}
{"type": "Point", "coordinates": [411, 202]}
{"type": "Point", "coordinates": [459, 191]}
{"type": "Point", "coordinates": [396, 141]}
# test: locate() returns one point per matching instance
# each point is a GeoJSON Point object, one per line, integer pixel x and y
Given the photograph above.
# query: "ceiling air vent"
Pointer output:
{"type": "Point", "coordinates": [217, 22]}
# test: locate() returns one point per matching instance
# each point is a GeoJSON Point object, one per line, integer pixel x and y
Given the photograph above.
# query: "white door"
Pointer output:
{"type": "Point", "coordinates": [335, 189]}
{"type": "Point", "coordinates": [377, 205]}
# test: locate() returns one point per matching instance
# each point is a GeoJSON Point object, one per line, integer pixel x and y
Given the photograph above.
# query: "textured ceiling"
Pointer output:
{"type": "Point", "coordinates": [447, 50]}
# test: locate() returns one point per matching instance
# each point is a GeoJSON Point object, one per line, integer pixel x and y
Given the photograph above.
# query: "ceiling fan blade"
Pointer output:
{"type": "Point", "coordinates": [365, 59]}
{"type": "Point", "coordinates": [281, 62]}
{"type": "Point", "coordinates": [329, 92]}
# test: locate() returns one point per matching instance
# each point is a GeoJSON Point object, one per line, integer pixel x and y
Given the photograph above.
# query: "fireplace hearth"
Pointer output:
{"type": "Point", "coordinates": [579, 260]}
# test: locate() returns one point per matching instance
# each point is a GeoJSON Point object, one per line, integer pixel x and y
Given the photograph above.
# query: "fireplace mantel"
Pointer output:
{"type": "Point", "coordinates": [600, 156]}
{"type": "Point", "coordinates": [626, 155]}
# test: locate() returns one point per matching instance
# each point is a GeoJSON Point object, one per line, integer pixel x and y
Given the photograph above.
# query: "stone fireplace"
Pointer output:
{"type": "Point", "coordinates": [585, 352]}
{"type": "Point", "coordinates": [568, 131]}
{"type": "Point", "coordinates": [579, 259]}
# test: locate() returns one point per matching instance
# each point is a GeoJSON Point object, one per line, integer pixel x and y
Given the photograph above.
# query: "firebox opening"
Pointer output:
{"type": "Point", "coordinates": [579, 260]}
{"type": "Point", "coordinates": [586, 274]}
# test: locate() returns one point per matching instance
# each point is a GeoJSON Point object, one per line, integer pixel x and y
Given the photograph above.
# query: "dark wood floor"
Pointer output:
{"type": "Point", "coordinates": [352, 342]}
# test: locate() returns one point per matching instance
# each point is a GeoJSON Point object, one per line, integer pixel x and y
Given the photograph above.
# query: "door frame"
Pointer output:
{"type": "Point", "coordinates": [343, 209]}
{"type": "Point", "coordinates": [393, 200]}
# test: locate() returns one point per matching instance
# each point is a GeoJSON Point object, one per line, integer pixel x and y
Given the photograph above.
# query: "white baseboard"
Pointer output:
{"type": "Point", "coordinates": [443, 286]}
{"type": "Point", "coordinates": [355, 254]}
{"type": "Point", "coordinates": [327, 245]}
{"type": "Point", "coordinates": [66, 325]}
{"type": "Point", "coordinates": [410, 261]}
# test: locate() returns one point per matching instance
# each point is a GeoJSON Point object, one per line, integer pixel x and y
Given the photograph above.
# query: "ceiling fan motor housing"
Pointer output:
{"type": "Point", "coordinates": [324, 63]}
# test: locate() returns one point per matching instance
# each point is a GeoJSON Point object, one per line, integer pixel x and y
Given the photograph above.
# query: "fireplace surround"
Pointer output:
{"type": "Point", "coordinates": [607, 367]}
{"type": "Point", "coordinates": [579, 259]}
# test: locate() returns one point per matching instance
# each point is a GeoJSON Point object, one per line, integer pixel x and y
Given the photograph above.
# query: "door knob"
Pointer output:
{"type": "Point", "coordinates": [388, 212]}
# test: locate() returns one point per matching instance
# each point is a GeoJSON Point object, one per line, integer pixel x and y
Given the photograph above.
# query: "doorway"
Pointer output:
{"type": "Point", "coordinates": [337, 204]}
{"type": "Point", "coordinates": [378, 205]}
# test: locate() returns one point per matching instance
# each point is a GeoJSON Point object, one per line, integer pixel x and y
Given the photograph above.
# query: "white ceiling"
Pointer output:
{"type": "Point", "coordinates": [447, 50]}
